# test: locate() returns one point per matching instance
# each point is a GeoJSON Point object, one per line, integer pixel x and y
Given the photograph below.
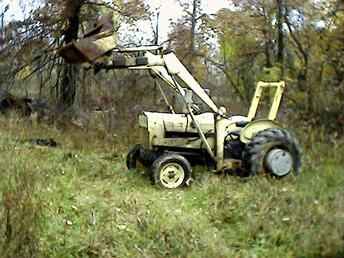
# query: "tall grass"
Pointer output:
{"type": "Point", "coordinates": [21, 212]}
{"type": "Point", "coordinates": [79, 200]}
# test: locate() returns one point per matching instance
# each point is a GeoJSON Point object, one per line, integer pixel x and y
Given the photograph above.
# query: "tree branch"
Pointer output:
{"type": "Point", "coordinates": [222, 67]}
{"type": "Point", "coordinates": [106, 5]}
{"type": "Point", "coordinates": [295, 39]}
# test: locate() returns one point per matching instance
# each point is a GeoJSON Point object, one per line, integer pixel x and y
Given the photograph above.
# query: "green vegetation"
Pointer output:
{"type": "Point", "coordinates": [78, 200]}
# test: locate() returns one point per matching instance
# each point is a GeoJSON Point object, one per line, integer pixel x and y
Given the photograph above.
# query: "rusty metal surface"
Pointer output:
{"type": "Point", "coordinates": [95, 44]}
{"type": "Point", "coordinates": [104, 23]}
{"type": "Point", "coordinates": [72, 54]}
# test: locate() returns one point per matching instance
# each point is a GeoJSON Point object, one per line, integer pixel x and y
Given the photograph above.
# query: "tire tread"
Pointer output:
{"type": "Point", "coordinates": [253, 154]}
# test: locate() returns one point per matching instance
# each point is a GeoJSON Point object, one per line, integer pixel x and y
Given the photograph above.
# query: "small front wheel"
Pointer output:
{"type": "Point", "coordinates": [171, 171]}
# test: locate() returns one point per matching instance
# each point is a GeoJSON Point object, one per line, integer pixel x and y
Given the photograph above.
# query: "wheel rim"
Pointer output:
{"type": "Point", "coordinates": [279, 162]}
{"type": "Point", "coordinates": [172, 175]}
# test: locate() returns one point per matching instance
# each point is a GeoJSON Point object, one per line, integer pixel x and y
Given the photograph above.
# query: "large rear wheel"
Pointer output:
{"type": "Point", "coordinates": [275, 151]}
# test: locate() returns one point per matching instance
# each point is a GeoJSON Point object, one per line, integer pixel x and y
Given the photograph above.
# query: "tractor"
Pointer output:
{"type": "Point", "coordinates": [176, 141]}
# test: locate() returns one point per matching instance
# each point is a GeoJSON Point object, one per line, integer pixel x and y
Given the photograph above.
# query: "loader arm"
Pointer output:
{"type": "Point", "coordinates": [165, 65]}
{"type": "Point", "coordinates": [168, 67]}
{"type": "Point", "coordinates": [176, 68]}
{"type": "Point", "coordinates": [99, 43]}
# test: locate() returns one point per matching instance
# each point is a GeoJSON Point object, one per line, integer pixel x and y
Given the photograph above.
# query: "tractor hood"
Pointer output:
{"type": "Point", "coordinates": [179, 123]}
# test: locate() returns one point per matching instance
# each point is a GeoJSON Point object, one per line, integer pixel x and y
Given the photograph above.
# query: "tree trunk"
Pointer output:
{"type": "Point", "coordinates": [156, 42]}
{"type": "Point", "coordinates": [303, 83]}
{"type": "Point", "coordinates": [267, 31]}
{"type": "Point", "coordinates": [193, 34]}
{"type": "Point", "coordinates": [70, 72]}
{"type": "Point", "coordinates": [268, 63]}
{"type": "Point", "coordinates": [68, 85]}
{"type": "Point", "coordinates": [280, 40]}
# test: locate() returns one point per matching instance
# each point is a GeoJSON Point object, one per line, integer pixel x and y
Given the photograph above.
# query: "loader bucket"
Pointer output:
{"type": "Point", "coordinates": [87, 49]}
{"type": "Point", "coordinates": [95, 44]}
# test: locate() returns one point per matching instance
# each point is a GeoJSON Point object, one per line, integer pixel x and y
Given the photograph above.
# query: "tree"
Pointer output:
{"type": "Point", "coordinates": [187, 36]}
{"type": "Point", "coordinates": [70, 71]}
{"type": "Point", "coordinates": [34, 41]}
{"type": "Point", "coordinates": [280, 38]}
{"type": "Point", "coordinates": [243, 49]}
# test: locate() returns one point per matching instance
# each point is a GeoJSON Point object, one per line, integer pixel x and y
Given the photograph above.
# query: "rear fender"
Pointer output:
{"type": "Point", "coordinates": [251, 129]}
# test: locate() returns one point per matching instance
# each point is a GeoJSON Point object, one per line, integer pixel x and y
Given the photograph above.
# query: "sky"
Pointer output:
{"type": "Point", "coordinates": [169, 11]}
{"type": "Point", "coordinates": [14, 10]}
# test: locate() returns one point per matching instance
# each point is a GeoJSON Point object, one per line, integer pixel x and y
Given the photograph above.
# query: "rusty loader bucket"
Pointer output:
{"type": "Point", "coordinates": [95, 44]}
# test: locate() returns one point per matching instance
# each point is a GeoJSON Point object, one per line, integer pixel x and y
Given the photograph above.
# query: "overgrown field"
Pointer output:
{"type": "Point", "coordinates": [78, 200]}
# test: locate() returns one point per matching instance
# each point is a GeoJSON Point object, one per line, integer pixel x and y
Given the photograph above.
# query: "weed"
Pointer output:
{"type": "Point", "coordinates": [79, 200]}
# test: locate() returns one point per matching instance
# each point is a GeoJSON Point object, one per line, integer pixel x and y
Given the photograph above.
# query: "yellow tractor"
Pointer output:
{"type": "Point", "coordinates": [175, 141]}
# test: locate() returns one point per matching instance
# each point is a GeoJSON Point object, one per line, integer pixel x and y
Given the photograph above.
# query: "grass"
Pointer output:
{"type": "Point", "coordinates": [78, 200]}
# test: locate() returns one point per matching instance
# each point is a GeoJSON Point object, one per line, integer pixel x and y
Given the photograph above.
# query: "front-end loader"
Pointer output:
{"type": "Point", "coordinates": [175, 141]}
